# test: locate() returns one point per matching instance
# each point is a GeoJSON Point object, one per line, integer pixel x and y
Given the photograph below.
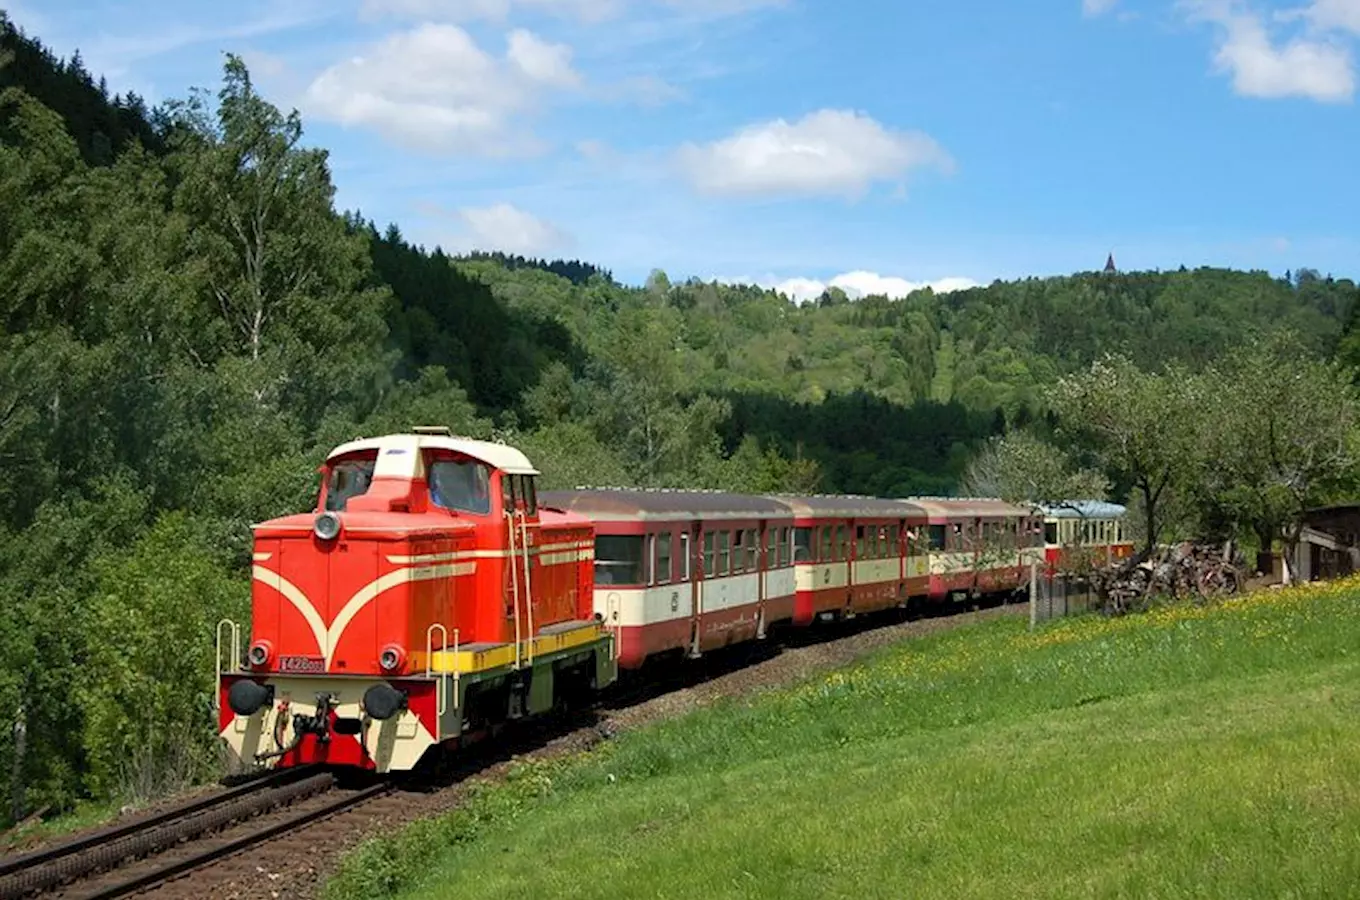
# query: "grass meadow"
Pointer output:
{"type": "Point", "coordinates": [1205, 752]}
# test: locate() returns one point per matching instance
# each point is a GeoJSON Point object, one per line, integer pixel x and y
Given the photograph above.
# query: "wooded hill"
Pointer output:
{"type": "Point", "coordinates": [168, 378]}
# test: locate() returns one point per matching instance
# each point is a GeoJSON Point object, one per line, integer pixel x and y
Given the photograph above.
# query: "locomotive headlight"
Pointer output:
{"type": "Point", "coordinates": [259, 653]}
{"type": "Point", "coordinates": [392, 657]}
{"type": "Point", "coordinates": [327, 526]}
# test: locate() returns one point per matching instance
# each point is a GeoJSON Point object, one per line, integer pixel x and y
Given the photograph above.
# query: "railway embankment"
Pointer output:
{"type": "Point", "coordinates": [1206, 751]}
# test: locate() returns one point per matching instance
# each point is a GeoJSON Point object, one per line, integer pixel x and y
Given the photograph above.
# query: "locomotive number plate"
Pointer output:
{"type": "Point", "coordinates": [301, 664]}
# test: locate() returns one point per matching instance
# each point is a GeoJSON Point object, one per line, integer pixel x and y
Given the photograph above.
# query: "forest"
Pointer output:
{"type": "Point", "coordinates": [188, 324]}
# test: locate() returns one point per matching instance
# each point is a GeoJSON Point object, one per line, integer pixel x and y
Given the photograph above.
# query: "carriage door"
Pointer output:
{"type": "Point", "coordinates": [694, 571]}
{"type": "Point", "coordinates": [767, 556]}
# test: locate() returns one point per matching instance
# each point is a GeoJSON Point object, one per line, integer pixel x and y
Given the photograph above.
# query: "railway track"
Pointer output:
{"type": "Point", "coordinates": [122, 859]}
{"type": "Point", "coordinates": [154, 852]}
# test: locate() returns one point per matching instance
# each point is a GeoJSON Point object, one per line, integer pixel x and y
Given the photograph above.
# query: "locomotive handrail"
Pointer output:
{"type": "Point", "coordinates": [514, 583]}
{"type": "Point", "coordinates": [441, 701]}
{"type": "Point", "coordinates": [528, 584]}
{"type": "Point", "coordinates": [235, 637]}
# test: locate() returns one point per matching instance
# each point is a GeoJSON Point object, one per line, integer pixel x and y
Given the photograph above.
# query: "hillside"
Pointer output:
{"type": "Point", "coordinates": [1110, 757]}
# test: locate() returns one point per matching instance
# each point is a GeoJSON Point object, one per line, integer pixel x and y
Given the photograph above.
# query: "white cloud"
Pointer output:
{"type": "Point", "coordinates": [511, 230]}
{"type": "Point", "coordinates": [1339, 15]}
{"type": "Point", "coordinates": [541, 61]}
{"type": "Point", "coordinates": [434, 89]}
{"type": "Point", "coordinates": [830, 151]}
{"type": "Point", "coordinates": [856, 284]}
{"type": "Point", "coordinates": [1316, 67]}
{"type": "Point", "coordinates": [1097, 7]}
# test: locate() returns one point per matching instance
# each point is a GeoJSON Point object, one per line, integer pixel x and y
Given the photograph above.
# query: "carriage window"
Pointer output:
{"type": "Point", "coordinates": [663, 558]}
{"type": "Point", "coordinates": [894, 544]}
{"type": "Point", "coordinates": [824, 553]}
{"type": "Point", "coordinates": [937, 537]}
{"type": "Point", "coordinates": [650, 561]}
{"type": "Point", "coordinates": [843, 542]}
{"type": "Point", "coordinates": [771, 547]}
{"type": "Point", "coordinates": [684, 556]}
{"type": "Point", "coordinates": [710, 559]}
{"type": "Point", "coordinates": [738, 552]}
{"type": "Point", "coordinates": [861, 546]}
{"type": "Point", "coordinates": [461, 484]}
{"type": "Point", "coordinates": [348, 479]}
{"type": "Point", "coordinates": [752, 550]}
{"type": "Point", "coordinates": [618, 559]}
{"type": "Point", "coordinates": [724, 543]}
{"type": "Point", "coordinates": [509, 491]}
{"type": "Point", "coordinates": [802, 544]}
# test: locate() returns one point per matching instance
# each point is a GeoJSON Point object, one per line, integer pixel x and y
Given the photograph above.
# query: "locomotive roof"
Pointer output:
{"type": "Point", "coordinates": [643, 504]}
{"type": "Point", "coordinates": [981, 507]}
{"type": "Point", "coordinates": [498, 456]}
{"type": "Point", "coordinates": [1083, 509]}
{"type": "Point", "coordinates": [849, 507]}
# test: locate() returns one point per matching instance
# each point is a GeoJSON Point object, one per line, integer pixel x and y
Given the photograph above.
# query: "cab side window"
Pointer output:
{"type": "Point", "coordinates": [350, 478]}
{"type": "Point", "coordinates": [463, 485]}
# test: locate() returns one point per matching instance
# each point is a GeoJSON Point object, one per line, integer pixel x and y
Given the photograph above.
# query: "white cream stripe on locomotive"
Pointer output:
{"type": "Point", "coordinates": [327, 639]}
{"type": "Point", "coordinates": [548, 554]}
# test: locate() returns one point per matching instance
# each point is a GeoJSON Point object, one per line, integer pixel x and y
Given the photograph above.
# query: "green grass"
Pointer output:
{"type": "Point", "coordinates": [1187, 752]}
{"type": "Point", "coordinates": [84, 815]}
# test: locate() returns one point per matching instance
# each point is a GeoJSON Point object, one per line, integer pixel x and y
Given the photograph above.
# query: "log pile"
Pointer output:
{"type": "Point", "coordinates": [1188, 570]}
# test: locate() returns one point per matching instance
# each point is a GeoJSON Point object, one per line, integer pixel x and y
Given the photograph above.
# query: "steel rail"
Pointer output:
{"type": "Point", "coordinates": [106, 849]}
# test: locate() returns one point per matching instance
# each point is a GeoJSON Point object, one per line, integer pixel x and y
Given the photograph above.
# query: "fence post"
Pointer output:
{"type": "Point", "coordinates": [1033, 594]}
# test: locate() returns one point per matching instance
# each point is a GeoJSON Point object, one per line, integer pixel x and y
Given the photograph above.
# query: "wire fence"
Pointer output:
{"type": "Point", "coordinates": [1052, 595]}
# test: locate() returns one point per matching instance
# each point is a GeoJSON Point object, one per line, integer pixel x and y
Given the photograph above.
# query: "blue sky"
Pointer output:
{"type": "Point", "coordinates": [868, 143]}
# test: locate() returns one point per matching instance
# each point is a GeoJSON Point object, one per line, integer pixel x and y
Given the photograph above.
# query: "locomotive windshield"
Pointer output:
{"type": "Point", "coordinates": [461, 484]}
{"type": "Point", "coordinates": [348, 479]}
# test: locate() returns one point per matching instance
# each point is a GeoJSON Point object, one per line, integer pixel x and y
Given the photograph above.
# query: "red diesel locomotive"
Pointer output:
{"type": "Point", "coordinates": [434, 594]}
{"type": "Point", "coordinates": [426, 599]}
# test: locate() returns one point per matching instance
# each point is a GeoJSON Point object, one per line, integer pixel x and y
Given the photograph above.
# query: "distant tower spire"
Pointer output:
{"type": "Point", "coordinates": [1109, 263]}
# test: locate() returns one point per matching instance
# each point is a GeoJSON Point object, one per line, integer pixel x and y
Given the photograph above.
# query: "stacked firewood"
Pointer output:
{"type": "Point", "coordinates": [1188, 570]}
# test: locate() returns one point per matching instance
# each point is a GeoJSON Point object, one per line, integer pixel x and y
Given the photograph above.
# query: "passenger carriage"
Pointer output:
{"type": "Point", "coordinates": [1082, 533]}
{"type": "Point", "coordinates": [851, 555]}
{"type": "Point", "coordinates": [685, 571]}
{"type": "Point", "coordinates": [978, 546]}
{"type": "Point", "coordinates": [425, 600]}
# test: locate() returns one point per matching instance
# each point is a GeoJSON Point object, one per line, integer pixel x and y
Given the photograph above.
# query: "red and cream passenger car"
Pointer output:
{"type": "Point", "coordinates": [978, 546]}
{"type": "Point", "coordinates": [1079, 533]}
{"type": "Point", "coordinates": [685, 571]}
{"type": "Point", "coordinates": [851, 555]}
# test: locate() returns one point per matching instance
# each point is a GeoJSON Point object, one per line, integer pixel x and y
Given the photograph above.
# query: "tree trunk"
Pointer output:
{"type": "Point", "coordinates": [16, 783]}
{"type": "Point", "coordinates": [1150, 513]}
{"type": "Point", "coordinates": [1265, 557]}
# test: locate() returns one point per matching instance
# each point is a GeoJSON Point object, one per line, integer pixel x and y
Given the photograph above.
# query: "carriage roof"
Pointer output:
{"type": "Point", "coordinates": [849, 507]}
{"type": "Point", "coordinates": [1083, 509]}
{"type": "Point", "coordinates": [971, 507]}
{"type": "Point", "coordinates": [663, 504]}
